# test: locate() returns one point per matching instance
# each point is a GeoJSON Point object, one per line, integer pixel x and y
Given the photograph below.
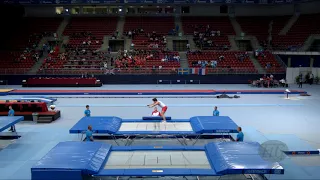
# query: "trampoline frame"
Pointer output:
{"type": "Point", "coordinates": [129, 139]}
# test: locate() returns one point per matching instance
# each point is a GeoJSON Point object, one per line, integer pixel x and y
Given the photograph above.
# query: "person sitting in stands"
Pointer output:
{"type": "Point", "coordinates": [283, 82]}
{"type": "Point", "coordinates": [89, 136]}
{"type": "Point", "coordinates": [155, 112]}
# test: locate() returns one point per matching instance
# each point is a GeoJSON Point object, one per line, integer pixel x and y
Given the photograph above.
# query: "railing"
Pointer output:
{"type": "Point", "coordinates": [14, 71]}
{"type": "Point", "coordinates": [142, 71]}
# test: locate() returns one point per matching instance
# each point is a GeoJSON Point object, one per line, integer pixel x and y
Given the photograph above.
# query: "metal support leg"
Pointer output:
{"type": "Point", "coordinates": [114, 139]}
{"type": "Point", "coordinates": [196, 140]}
{"type": "Point", "coordinates": [183, 143]}
{"type": "Point", "coordinates": [13, 128]}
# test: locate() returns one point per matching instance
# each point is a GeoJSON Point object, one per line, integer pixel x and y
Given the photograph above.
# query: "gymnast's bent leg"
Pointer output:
{"type": "Point", "coordinates": [162, 114]}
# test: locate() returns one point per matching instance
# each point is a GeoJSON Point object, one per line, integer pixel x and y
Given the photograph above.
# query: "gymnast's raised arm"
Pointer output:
{"type": "Point", "coordinates": [153, 104]}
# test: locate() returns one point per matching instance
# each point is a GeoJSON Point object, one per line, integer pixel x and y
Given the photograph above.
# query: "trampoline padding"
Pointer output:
{"type": "Point", "coordinates": [100, 124]}
{"type": "Point", "coordinates": [213, 124]}
{"type": "Point", "coordinates": [86, 157]}
{"type": "Point", "coordinates": [240, 158]}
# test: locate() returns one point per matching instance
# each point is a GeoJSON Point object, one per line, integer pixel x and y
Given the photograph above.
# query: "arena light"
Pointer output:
{"type": "Point", "coordinates": [120, 10]}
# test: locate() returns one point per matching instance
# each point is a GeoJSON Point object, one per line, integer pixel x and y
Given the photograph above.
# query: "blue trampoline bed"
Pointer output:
{"type": "Point", "coordinates": [151, 127]}
{"type": "Point", "coordinates": [76, 160]}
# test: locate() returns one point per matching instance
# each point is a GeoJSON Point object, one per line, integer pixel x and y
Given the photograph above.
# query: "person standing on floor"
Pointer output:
{"type": "Point", "coordinates": [311, 79]}
{"type": "Point", "coordinates": [215, 111]}
{"type": "Point", "coordinates": [11, 113]}
{"type": "Point", "coordinates": [240, 135]}
{"type": "Point", "coordinates": [87, 112]}
{"type": "Point", "coordinates": [300, 81]}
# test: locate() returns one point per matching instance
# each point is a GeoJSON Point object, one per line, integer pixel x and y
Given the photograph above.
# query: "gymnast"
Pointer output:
{"type": "Point", "coordinates": [155, 112]}
{"type": "Point", "coordinates": [161, 105]}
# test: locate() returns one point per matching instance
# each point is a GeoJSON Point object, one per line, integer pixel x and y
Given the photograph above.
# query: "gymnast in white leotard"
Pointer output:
{"type": "Point", "coordinates": [163, 107]}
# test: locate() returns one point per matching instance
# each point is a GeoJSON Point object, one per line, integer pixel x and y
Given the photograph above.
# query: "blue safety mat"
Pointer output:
{"type": "Point", "coordinates": [295, 145]}
{"type": "Point", "coordinates": [100, 124]}
{"type": "Point", "coordinates": [240, 158]}
{"type": "Point", "coordinates": [213, 124]}
{"type": "Point", "coordinates": [71, 159]}
{"type": "Point", "coordinates": [8, 121]}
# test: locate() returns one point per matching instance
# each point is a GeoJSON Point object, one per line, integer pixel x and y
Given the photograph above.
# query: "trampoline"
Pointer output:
{"type": "Point", "coordinates": [148, 127]}
{"type": "Point", "coordinates": [73, 160]}
{"type": "Point", "coordinates": [32, 99]}
{"type": "Point", "coordinates": [47, 100]}
{"type": "Point", "coordinates": [5, 123]}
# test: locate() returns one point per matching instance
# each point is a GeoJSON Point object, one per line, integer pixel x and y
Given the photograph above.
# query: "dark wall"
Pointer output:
{"type": "Point", "coordinates": [10, 16]}
{"type": "Point", "coordinates": [153, 79]}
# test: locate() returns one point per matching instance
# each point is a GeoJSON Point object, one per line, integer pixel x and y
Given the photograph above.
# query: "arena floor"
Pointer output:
{"type": "Point", "coordinates": [269, 114]}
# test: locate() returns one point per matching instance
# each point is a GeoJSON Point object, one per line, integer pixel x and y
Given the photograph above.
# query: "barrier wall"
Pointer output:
{"type": "Point", "coordinates": [292, 73]}
{"type": "Point", "coordinates": [152, 79]}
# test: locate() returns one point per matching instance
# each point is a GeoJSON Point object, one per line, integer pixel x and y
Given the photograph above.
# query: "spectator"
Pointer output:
{"type": "Point", "coordinates": [130, 34]}
{"type": "Point", "coordinates": [215, 111]}
{"type": "Point", "coordinates": [214, 63]}
{"type": "Point", "coordinates": [204, 64]}
{"type": "Point", "coordinates": [283, 82]}
{"type": "Point", "coordinates": [221, 58]}
{"type": "Point", "coordinates": [268, 65]}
